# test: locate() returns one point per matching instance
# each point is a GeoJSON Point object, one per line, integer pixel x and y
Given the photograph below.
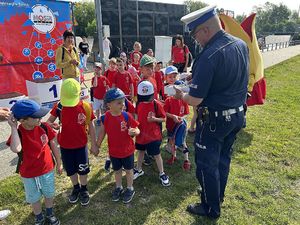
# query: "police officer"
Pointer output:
{"type": "Point", "coordinates": [218, 88]}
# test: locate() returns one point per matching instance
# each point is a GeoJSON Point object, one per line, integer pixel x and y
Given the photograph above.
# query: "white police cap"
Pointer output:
{"type": "Point", "coordinates": [194, 19]}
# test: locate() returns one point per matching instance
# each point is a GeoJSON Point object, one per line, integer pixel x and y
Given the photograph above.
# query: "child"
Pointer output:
{"type": "Point", "coordinates": [137, 47]}
{"type": "Point", "coordinates": [176, 125]}
{"type": "Point", "coordinates": [150, 114]}
{"type": "Point", "coordinates": [159, 77]}
{"type": "Point", "coordinates": [123, 56]}
{"type": "Point", "coordinates": [136, 61]}
{"type": "Point", "coordinates": [136, 79]}
{"type": "Point", "coordinates": [146, 67]}
{"type": "Point", "coordinates": [31, 141]}
{"type": "Point", "coordinates": [111, 71]}
{"type": "Point", "coordinates": [120, 128]}
{"type": "Point", "coordinates": [75, 117]}
{"type": "Point", "coordinates": [100, 86]}
{"type": "Point", "coordinates": [123, 80]}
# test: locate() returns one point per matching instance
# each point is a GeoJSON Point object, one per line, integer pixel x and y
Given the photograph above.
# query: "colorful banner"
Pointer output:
{"type": "Point", "coordinates": [30, 32]}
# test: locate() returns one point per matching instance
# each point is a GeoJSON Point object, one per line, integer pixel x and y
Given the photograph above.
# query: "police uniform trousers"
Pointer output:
{"type": "Point", "coordinates": [213, 142]}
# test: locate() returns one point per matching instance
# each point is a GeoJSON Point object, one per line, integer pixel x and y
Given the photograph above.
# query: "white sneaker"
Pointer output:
{"type": "Point", "coordinates": [4, 214]}
{"type": "Point", "coordinates": [164, 179]}
{"type": "Point", "coordinates": [137, 173]}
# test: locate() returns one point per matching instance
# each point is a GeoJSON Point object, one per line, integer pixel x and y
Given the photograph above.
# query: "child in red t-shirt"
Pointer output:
{"type": "Point", "coordinates": [136, 61]}
{"type": "Point", "coordinates": [136, 79]}
{"type": "Point", "coordinates": [150, 114]}
{"type": "Point", "coordinates": [123, 80]}
{"type": "Point", "coordinates": [120, 128]}
{"type": "Point", "coordinates": [110, 73]}
{"type": "Point", "coordinates": [76, 119]}
{"type": "Point", "coordinates": [159, 77]}
{"type": "Point", "coordinates": [100, 85]}
{"type": "Point", "coordinates": [137, 47]}
{"type": "Point", "coordinates": [176, 125]}
{"type": "Point", "coordinates": [32, 139]}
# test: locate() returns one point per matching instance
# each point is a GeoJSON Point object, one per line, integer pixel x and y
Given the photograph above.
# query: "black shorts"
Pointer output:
{"type": "Point", "coordinates": [119, 163]}
{"type": "Point", "coordinates": [75, 160]}
{"type": "Point", "coordinates": [179, 66]}
{"type": "Point", "coordinates": [153, 148]}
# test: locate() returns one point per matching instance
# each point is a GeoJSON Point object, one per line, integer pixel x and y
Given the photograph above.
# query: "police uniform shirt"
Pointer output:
{"type": "Point", "coordinates": [220, 73]}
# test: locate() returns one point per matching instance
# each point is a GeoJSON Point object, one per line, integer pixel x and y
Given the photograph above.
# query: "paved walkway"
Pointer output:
{"type": "Point", "coordinates": [9, 159]}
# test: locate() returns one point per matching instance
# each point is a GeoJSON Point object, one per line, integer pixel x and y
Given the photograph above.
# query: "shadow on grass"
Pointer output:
{"type": "Point", "coordinates": [243, 140]}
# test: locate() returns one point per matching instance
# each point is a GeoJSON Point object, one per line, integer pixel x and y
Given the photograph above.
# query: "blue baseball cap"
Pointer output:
{"type": "Point", "coordinates": [113, 94]}
{"type": "Point", "coordinates": [28, 108]}
{"type": "Point", "coordinates": [170, 70]}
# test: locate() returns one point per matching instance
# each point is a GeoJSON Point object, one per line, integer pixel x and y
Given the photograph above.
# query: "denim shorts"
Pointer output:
{"type": "Point", "coordinates": [37, 187]}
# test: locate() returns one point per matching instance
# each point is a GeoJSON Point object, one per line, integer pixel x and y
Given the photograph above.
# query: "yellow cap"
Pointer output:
{"type": "Point", "coordinates": [70, 92]}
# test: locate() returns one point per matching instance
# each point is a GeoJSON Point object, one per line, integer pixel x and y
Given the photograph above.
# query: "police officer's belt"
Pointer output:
{"type": "Point", "coordinates": [228, 112]}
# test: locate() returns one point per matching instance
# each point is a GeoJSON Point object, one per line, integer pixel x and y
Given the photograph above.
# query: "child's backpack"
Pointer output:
{"type": "Point", "coordinates": [190, 59]}
{"type": "Point", "coordinates": [86, 106]}
{"type": "Point", "coordinates": [20, 154]}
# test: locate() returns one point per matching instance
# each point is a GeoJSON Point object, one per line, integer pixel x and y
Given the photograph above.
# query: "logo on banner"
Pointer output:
{"type": "Point", "coordinates": [43, 19]}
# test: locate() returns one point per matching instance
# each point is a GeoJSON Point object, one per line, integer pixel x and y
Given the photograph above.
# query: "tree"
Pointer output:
{"type": "Point", "coordinates": [84, 13]}
{"type": "Point", "coordinates": [240, 18]}
{"type": "Point", "coordinates": [193, 5]}
{"type": "Point", "coordinates": [91, 28]}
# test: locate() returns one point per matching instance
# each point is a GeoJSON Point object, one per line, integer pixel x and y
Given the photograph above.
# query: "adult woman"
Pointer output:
{"type": "Point", "coordinates": [67, 58]}
{"type": "Point", "coordinates": [180, 54]}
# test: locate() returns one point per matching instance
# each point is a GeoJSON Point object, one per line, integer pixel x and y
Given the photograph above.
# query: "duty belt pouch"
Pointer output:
{"type": "Point", "coordinates": [203, 115]}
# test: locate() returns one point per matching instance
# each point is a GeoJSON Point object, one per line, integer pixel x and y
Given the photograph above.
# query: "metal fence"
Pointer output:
{"type": "Point", "coordinates": [279, 45]}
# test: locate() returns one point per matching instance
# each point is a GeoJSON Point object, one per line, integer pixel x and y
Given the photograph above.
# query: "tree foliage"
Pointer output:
{"type": "Point", "coordinates": [84, 13]}
{"type": "Point", "coordinates": [272, 18]}
{"type": "Point", "coordinates": [193, 5]}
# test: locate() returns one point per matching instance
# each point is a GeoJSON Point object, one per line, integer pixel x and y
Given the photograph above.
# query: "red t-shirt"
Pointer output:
{"type": "Point", "coordinates": [176, 107]}
{"type": "Point", "coordinates": [153, 82]}
{"type": "Point", "coordinates": [149, 131]}
{"type": "Point", "coordinates": [135, 79]}
{"type": "Point", "coordinates": [102, 87]}
{"type": "Point", "coordinates": [120, 144]}
{"type": "Point", "coordinates": [73, 132]}
{"type": "Point", "coordinates": [159, 81]}
{"type": "Point", "coordinates": [129, 107]}
{"type": "Point", "coordinates": [131, 56]}
{"type": "Point", "coordinates": [123, 81]}
{"type": "Point", "coordinates": [136, 66]}
{"type": "Point", "coordinates": [110, 75]}
{"type": "Point", "coordinates": [37, 158]}
{"type": "Point", "coordinates": [178, 54]}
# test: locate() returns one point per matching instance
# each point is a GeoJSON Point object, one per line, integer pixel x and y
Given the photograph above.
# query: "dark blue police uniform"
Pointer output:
{"type": "Point", "coordinates": [220, 77]}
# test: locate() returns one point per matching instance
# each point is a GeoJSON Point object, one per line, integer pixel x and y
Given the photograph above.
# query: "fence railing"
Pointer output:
{"type": "Point", "coordinates": [279, 45]}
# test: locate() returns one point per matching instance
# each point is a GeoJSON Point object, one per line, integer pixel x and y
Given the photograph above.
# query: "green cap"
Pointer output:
{"type": "Point", "coordinates": [70, 92]}
{"type": "Point", "coordinates": [146, 59]}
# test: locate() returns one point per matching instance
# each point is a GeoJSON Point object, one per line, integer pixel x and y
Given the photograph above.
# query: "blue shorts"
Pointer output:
{"type": "Point", "coordinates": [153, 148]}
{"type": "Point", "coordinates": [119, 163]}
{"type": "Point", "coordinates": [75, 160]}
{"type": "Point", "coordinates": [37, 187]}
{"type": "Point", "coordinates": [178, 133]}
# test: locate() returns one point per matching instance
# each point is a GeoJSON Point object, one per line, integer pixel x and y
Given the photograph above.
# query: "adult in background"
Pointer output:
{"type": "Point", "coordinates": [219, 89]}
{"type": "Point", "coordinates": [180, 54]}
{"type": "Point", "coordinates": [84, 51]}
{"type": "Point", "coordinates": [67, 57]}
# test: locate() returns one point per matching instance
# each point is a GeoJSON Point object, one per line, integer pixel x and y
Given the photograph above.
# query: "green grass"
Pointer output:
{"type": "Point", "coordinates": [263, 187]}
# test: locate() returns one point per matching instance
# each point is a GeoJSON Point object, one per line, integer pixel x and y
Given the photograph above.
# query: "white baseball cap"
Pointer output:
{"type": "Point", "coordinates": [145, 88]}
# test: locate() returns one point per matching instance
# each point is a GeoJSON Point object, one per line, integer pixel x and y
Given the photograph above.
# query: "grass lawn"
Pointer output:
{"type": "Point", "coordinates": [263, 187]}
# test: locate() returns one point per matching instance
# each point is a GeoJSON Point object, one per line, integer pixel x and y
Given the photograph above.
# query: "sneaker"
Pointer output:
{"type": "Point", "coordinates": [73, 198]}
{"type": "Point", "coordinates": [39, 222]}
{"type": "Point", "coordinates": [84, 198]}
{"type": "Point", "coordinates": [186, 165]}
{"type": "Point", "coordinates": [171, 160]}
{"type": "Point", "coordinates": [128, 195]}
{"type": "Point", "coordinates": [164, 179]}
{"type": "Point", "coordinates": [52, 220]}
{"type": "Point", "coordinates": [98, 122]}
{"type": "Point", "coordinates": [4, 214]}
{"type": "Point", "coordinates": [137, 173]}
{"type": "Point", "coordinates": [117, 194]}
{"type": "Point", "coordinates": [147, 161]}
{"type": "Point", "coordinates": [107, 165]}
